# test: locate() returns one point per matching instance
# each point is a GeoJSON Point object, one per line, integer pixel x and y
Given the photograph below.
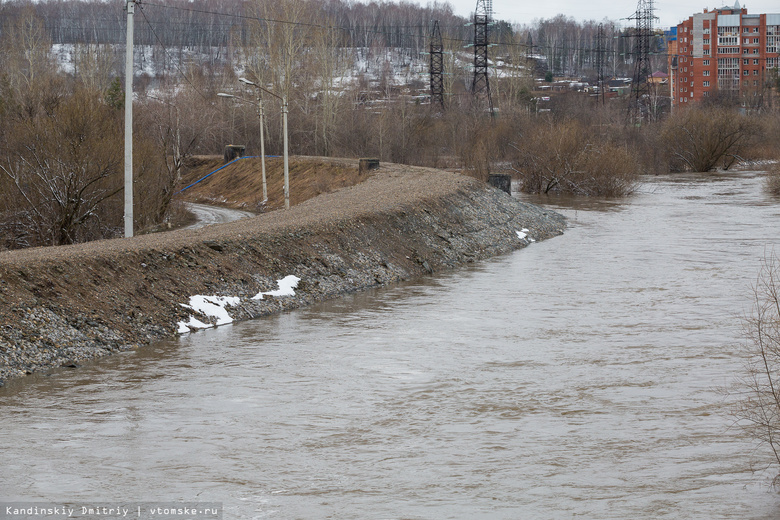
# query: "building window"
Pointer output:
{"type": "Point", "coordinates": [745, 72]}
{"type": "Point", "coordinates": [745, 41]}
{"type": "Point", "coordinates": [755, 72]}
{"type": "Point", "coordinates": [755, 40]}
{"type": "Point", "coordinates": [755, 51]}
{"type": "Point", "coordinates": [705, 62]}
{"type": "Point", "coordinates": [746, 62]}
{"type": "Point", "coordinates": [755, 61]}
{"type": "Point", "coordinates": [706, 52]}
{"type": "Point", "coordinates": [706, 93]}
{"type": "Point", "coordinates": [706, 84]}
{"type": "Point", "coordinates": [707, 31]}
{"type": "Point", "coordinates": [755, 83]}
{"type": "Point", "coordinates": [755, 29]}
{"type": "Point", "coordinates": [706, 41]}
{"type": "Point", "coordinates": [745, 51]}
{"type": "Point", "coordinates": [706, 73]}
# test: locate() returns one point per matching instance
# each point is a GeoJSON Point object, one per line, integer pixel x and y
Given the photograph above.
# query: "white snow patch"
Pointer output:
{"type": "Point", "coordinates": [286, 288]}
{"type": "Point", "coordinates": [523, 235]}
{"type": "Point", "coordinates": [194, 323]}
{"type": "Point", "coordinates": [212, 306]}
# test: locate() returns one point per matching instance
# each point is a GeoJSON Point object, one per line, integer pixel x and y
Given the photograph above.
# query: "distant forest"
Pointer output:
{"type": "Point", "coordinates": [215, 28]}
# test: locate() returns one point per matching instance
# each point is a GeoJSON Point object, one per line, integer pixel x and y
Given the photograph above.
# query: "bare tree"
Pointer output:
{"type": "Point", "coordinates": [758, 411]}
{"type": "Point", "coordinates": [64, 165]}
{"type": "Point", "coordinates": [701, 138]}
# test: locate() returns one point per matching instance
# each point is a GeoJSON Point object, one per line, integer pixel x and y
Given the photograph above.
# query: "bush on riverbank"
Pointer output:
{"type": "Point", "coordinates": [565, 157]}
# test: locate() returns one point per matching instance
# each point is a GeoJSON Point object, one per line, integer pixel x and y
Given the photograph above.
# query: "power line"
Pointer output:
{"type": "Point", "coordinates": [176, 65]}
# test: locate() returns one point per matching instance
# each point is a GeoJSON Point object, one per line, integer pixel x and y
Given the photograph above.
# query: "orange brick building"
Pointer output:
{"type": "Point", "coordinates": [725, 50]}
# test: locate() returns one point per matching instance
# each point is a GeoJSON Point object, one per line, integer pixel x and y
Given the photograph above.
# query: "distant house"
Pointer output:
{"type": "Point", "coordinates": [658, 78]}
{"type": "Point", "coordinates": [619, 86]}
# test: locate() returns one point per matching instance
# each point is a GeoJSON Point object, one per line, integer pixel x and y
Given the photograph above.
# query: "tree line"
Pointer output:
{"type": "Point", "coordinates": [61, 119]}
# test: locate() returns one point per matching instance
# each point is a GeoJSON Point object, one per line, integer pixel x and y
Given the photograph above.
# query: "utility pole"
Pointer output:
{"type": "Point", "coordinates": [437, 67]}
{"type": "Point", "coordinates": [480, 85]}
{"type": "Point", "coordinates": [285, 110]}
{"type": "Point", "coordinates": [262, 145]}
{"type": "Point", "coordinates": [129, 121]}
{"type": "Point", "coordinates": [261, 113]}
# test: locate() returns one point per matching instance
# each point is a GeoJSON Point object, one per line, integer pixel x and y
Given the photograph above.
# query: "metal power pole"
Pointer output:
{"type": "Point", "coordinates": [640, 89]}
{"type": "Point", "coordinates": [129, 121]}
{"type": "Point", "coordinates": [437, 67]}
{"type": "Point", "coordinates": [600, 58]}
{"type": "Point", "coordinates": [482, 20]}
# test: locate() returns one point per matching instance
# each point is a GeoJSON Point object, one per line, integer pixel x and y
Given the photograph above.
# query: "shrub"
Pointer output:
{"type": "Point", "coordinates": [565, 158]}
{"type": "Point", "coordinates": [701, 138]}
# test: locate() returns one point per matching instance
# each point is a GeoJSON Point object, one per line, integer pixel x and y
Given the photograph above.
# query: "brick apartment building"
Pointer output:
{"type": "Point", "coordinates": [725, 49]}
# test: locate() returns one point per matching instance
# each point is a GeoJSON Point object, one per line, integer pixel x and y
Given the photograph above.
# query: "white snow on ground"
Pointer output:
{"type": "Point", "coordinates": [194, 323]}
{"type": "Point", "coordinates": [212, 306]}
{"type": "Point", "coordinates": [523, 235]}
{"type": "Point", "coordinates": [215, 306]}
{"type": "Point", "coordinates": [286, 286]}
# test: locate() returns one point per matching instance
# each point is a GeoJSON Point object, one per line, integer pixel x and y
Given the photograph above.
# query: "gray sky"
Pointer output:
{"type": "Point", "coordinates": [669, 12]}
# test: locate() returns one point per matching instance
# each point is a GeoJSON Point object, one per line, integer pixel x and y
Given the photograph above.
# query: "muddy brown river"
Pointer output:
{"type": "Point", "coordinates": [578, 378]}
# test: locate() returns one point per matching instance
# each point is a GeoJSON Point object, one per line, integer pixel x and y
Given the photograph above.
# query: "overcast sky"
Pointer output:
{"type": "Point", "coordinates": [669, 12]}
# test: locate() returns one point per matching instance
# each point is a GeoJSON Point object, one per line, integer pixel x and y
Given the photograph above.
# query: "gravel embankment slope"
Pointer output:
{"type": "Point", "coordinates": [61, 305]}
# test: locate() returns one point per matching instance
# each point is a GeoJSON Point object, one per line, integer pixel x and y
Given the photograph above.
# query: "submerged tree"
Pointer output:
{"type": "Point", "coordinates": [701, 138]}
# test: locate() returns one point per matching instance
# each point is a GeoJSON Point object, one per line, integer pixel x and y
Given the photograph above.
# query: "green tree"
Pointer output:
{"type": "Point", "coordinates": [115, 95]}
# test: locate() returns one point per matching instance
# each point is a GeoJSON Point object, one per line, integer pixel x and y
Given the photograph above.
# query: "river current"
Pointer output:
{"type": "Point", "coordinates": [580, 377]}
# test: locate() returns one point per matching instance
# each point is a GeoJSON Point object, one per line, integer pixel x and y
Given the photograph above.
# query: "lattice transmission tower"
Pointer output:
{"type": "Point", "coordinates": [640, 89]}
{"type": "Point", "coordinates": [483, 17]}
{"type": "Point", "coordinates": [437, 67]}
{"type": "Point", "coordinates": [601, 54]}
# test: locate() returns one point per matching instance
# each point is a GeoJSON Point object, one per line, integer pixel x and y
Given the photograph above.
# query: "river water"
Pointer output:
{"type": "Point", "coordinates": [578, 378]}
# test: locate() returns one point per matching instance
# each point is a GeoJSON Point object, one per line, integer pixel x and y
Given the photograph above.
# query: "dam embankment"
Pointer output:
{"type": "Point", "coordinates": [62, 305]}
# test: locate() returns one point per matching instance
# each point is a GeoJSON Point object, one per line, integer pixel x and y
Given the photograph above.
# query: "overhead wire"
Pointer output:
{"type": "Point", "coordinates": [175, 64]}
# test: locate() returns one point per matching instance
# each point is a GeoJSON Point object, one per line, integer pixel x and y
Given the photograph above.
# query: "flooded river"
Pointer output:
{"type": "Point", "coordinates": [578, 378]}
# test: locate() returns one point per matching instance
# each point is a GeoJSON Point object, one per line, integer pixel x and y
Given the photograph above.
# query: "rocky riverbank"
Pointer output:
{"type": "Point", "coordinates": [60, 306]}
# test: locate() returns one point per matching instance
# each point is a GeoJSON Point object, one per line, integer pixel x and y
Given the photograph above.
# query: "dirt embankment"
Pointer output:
{"type": "Point", "coordinates": [61, 305]}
